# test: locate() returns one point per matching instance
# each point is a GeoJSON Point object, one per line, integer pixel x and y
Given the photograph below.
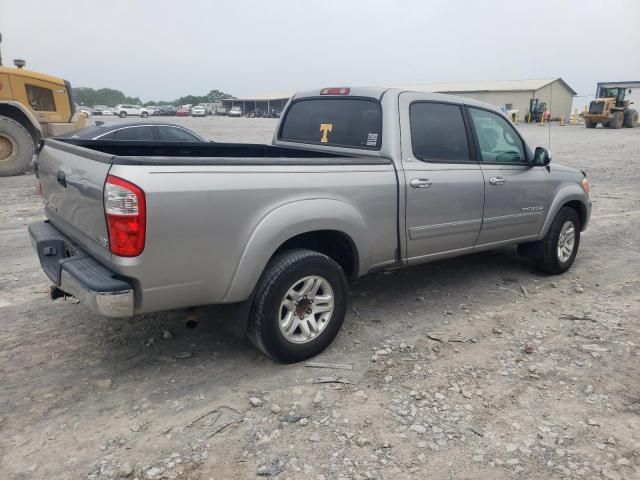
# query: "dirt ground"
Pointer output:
{"type": "Point", "coordinates": [472, 368]}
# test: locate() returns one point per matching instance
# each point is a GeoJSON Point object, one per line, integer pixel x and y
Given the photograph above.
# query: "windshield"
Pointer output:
{"type": "Point", "coordinates": [339, 122]}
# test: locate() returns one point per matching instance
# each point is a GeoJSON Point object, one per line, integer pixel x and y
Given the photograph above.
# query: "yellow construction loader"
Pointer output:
{"type": "Point", "coordinates": [611, 110]}
{"type": "Point", "coordinates": [32, 106]}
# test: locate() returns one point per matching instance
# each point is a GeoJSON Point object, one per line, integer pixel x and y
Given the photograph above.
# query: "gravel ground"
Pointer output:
{"type": "Point", "coordinates": [476, 367]}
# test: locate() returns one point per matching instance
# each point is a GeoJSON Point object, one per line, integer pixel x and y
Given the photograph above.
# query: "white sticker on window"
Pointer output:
{"type": "Point", "coordinates": [372, 139]}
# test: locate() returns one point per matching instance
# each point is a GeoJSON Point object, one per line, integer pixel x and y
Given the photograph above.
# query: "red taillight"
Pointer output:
{"type": "Point", "coordinates": [126, 212]}
{"type": "Point", "coordinates": [335, 91]}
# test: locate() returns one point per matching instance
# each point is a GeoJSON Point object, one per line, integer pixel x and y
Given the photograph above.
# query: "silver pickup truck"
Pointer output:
{"type": "Point", "coordinates": [356, 180]}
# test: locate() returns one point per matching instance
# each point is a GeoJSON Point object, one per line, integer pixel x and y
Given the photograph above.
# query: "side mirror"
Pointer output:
{"type": "Point", "coordinates": [541, 157]}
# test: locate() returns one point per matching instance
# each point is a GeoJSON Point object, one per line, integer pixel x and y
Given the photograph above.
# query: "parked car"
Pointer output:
{"type": "Point", "coordinates": [235, 111]}
{"type": "Point", "coordinates": [124, 111]}
{"type": "Point", "coordinates": [198, 111]}
{"type": "Point", "coordinates": [107, 111]}
{"type": "Point", "coordinates": [136, 131]}
{"type": "Point", "coordinates": [97, 109]}
{"type": "Point", "coordinates": [83, 109]}
{"type": "Point", "coordinates": [165, 111]}
{"type": "Point", "coordinates": [357, 180]}
{"type": "Point", "coordinates": [183, 112]}
{"type": "Point", "coordinates": [220, 110]}
{"type": "Point", "coordinates": [257, 113]}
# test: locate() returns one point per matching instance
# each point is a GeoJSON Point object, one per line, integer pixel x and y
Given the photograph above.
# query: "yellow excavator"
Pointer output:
{"type": "Point", "coordinates": [32, 106]}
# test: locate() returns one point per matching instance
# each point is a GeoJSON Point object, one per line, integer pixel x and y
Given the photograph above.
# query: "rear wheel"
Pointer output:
{"type": "Point", "coordinates": [616, 120]}
{"type": "Point", "coordinates": [122, 114]}
{"type": "Point", "coordinates": [144, 114]}
{"type": "Point", "coordinates": [299, 306]}
{"type": "Point", "coordinates": [590, 123]}
{"type": "Point", "coordinates": [16, 147]}
{"type": "Point", "coordinates": [557, 251]}
{"type": "Point", "coordinates": [631, 119]}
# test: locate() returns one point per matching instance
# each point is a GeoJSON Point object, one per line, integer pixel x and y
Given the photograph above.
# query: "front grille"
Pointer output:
{"type": "Point", "coordinates": [596, 107]}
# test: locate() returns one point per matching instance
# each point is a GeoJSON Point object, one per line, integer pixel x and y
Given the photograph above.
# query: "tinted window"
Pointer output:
{"type": "Point", "coordinates": [173, 134]}
{"type": "Point", "coordinates": [132, 133]}
{"type": "Point", "coordinates": [40, 99]}
{"type": "Point", "coordinates": [438, 133]}
{"type": "Point", "coordinates": [498, 140]}
{"type": "Point", "coordinates": [340, 122]}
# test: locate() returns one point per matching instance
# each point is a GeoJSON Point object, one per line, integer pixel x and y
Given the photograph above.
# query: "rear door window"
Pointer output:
{"type": "Point", "coordinates": [336, 122]}
{"type": "Point", "coordinates": [173, 134]}
{"type": "Point", "coordinates": [438, 133]}
{"type": "Point", "coordinates": [133, 133]}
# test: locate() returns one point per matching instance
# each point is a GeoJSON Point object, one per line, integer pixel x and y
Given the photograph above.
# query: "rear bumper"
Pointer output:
{"type": "Point", "coordinates": [76, 273]}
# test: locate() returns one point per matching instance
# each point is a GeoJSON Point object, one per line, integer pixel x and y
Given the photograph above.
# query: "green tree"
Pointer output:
{"type": "Point", "coordinates": [108, 96]}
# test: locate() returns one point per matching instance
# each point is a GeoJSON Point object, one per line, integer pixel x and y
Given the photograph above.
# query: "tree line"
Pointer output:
{"type": "Point", "coordinates": [85, 96]}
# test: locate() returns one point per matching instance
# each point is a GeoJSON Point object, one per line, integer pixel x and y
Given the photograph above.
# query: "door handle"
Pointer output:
{"type": "Point", "coordinates": [497, 181]}
{"type": "Point", "coordinates": [62, 180]}
{"type": "Point", "coordinates": [420, 183]}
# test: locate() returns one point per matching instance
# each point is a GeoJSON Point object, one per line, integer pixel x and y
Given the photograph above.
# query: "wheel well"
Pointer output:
{"type": "Point", "coordinates": [580, 209]}
{"type": "Point", "coordinates": [16, 114]}
{"type": "Point", "coordinates": [335, 245]}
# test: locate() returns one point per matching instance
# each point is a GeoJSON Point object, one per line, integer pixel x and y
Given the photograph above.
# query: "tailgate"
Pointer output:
{"type": "Point", "coordinates": [72, 180]}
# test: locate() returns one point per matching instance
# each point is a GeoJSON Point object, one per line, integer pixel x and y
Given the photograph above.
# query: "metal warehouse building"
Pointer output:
{"type": "Point", "coordinates": [512, 94]}
{"type": "Point", "coordinates": [555, 92]}
{"type": "Point", "coordinates": [267, 103]}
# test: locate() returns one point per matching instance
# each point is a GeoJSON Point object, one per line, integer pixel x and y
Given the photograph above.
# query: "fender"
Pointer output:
{"type": "Point", "coordinates": [566, 193]}
{"type": "Point", "coordinates": [285, 222]}
{"type": "Point", "coordinates": [30, 116]}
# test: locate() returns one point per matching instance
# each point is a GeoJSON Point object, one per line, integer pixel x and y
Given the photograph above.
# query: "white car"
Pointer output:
{"type": "Point", "coordinates": [236, 111]}
{"type": "Point", "coordinates": [107, 111]}
{"type": "Point", "coordinates": [124, 111]}
{"type": "Point", "coordinates": [198, 111]}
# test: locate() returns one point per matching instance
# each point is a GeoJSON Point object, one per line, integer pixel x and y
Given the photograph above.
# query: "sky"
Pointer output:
{"type": "Point", "coordinates": [159, 49]}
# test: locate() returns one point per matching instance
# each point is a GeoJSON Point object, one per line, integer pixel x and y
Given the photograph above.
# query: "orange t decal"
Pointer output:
{"type": "Point", "coordinates": [325, 128]}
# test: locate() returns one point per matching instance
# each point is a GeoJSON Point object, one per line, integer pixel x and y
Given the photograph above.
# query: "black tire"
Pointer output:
{"type": "Point", "coordinates": [589, 123]}
{"type": "Point", "coordinates": [144, 114]}
{"type": "Point", "coordinates": [605, 124]}
{"type": "Point", "coordinates": [617, 118]}
{"type": "Point", "coordinates": [631, 118]}
{"type": "Point", "coordinates": [282, 272]}
{"type": "Point", "coordinates": [16, 147]}
{"type": "Point", "coordinates": [122, 114]}
{"type": "Point", "coordinates": [548, 260]}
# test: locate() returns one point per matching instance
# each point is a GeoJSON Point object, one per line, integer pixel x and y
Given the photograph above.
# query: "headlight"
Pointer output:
{"type": "Point", "coordinates": [585, 185]}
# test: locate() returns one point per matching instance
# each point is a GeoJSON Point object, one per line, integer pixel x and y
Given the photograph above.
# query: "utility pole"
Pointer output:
{"type": "Point", "coordinates": [0, 50]}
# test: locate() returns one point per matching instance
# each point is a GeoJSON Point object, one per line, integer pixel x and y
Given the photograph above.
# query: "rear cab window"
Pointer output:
{"type": "Point", "coordinates": [335, 122]}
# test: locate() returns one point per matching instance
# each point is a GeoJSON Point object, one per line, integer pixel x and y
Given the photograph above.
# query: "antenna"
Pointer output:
{"type": "Point", "coordinates": [549, 122]}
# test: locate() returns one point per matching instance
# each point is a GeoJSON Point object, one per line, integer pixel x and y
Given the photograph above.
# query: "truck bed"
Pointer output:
{"type": "Point", "coordinates": [193, 153]}
{"type": "Point", "coordinates": [216, 212]}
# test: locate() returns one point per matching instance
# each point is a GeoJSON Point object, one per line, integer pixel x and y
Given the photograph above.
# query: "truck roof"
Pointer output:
{"type": "Point", "coordinates": [378, 92]}
{"type": "Point", "coordinates": [21, 72]}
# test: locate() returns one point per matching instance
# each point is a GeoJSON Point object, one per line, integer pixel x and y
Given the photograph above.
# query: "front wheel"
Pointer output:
{"type": "Point", "coordinates": [299, 306]}
{"type": "Point", "coordinates": [144, 114]}
{"type": "Point", "coordinates": [16, 147]}
{"type": "Point", "coordinates": [123, 114]}
{"type": "Point", "coordinates": [559, 248]}
{"type": "Point", "coordinates": [631, 118]}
